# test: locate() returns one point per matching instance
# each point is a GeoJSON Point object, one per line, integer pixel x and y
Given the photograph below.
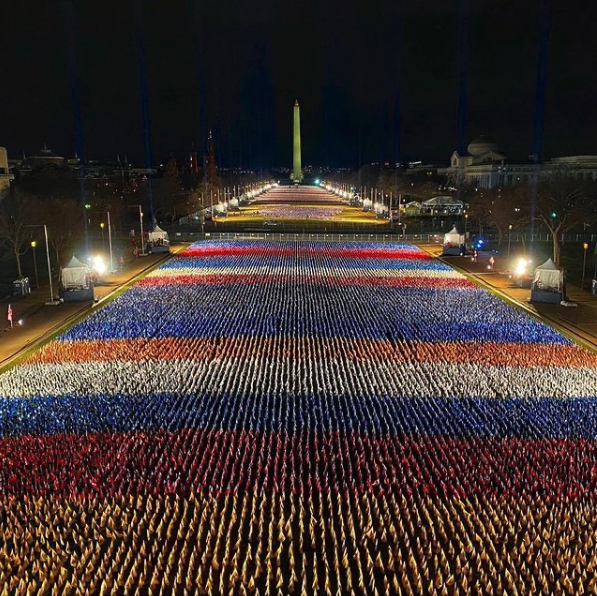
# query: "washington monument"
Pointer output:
{"type": "Point", "coordinates": [297, 170]}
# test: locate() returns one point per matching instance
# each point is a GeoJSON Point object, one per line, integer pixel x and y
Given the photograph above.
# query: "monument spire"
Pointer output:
{"type": "Point", "coordinates": [297, 170]}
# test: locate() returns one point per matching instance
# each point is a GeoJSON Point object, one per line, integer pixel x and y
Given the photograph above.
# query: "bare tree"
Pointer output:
{"type": "Point", "coordinates": [62, 217]}
{"type": "Point", "coordinates": [167, 191]}
{"type": "Point", "coordinates": [15, 214]}
{"type": "Point", "coordinates": [500, 208]}
{"type": "Point", "coordinates": [562, 203]}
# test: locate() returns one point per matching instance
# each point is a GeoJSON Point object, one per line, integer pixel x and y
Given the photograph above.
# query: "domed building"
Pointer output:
{"type": "Point", "coordinates": [484, 149]}
{"type": "Point", "coordinates": [485, 165]}
{"type": "Point", "coordinates": [481, 165]}
{"type": "Point", "coordinates": [45, 157]}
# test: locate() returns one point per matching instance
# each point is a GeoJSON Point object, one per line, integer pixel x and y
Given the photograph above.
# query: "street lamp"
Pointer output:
{"type": "Point", "coordinates": [509, 238]}
{"type": "Point", "coordinates": [102, 225]}
{"type": "Point", "coordinates": [110, 238]}
{"type": "Point", "coordinates": [33, 246]}
{"type": "Point", "coordinates": [584, 265]}
{"type": "Point", "coordinates": [87, 207]}
{"type": "Point", "coordinates": [52, 301]}
{"type": "Point", "coordinates": [465, 225]}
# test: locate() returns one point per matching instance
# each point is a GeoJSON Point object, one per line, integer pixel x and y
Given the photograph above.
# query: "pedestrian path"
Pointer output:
{"type": "Point", "coordinates": [579, 322]}
{"type": "Point", "coordinates": [33, 321]}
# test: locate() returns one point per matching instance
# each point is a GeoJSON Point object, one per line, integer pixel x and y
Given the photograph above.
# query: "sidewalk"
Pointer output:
{"type": "Point", "coordinates": [39, 320]}
{"type": "Point", "coordinates": [580, 323]}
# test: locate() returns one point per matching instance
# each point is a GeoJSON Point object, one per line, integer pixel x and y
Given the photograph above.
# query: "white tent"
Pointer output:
{"type": "Point", "coordinates": [158, 236]}
{"type": "Point", "coordinates": [453, 238]}
{"type": "Point", "coordinates": [412, 205]}
{"type": "Point", "coordinates": [443, 202]}
{"type": "Point", "coordinates": [548, 277]}
{"type": "Point", "coordinates": [412, 208]}
{"type": "Point", "coordinates": [75, 274]}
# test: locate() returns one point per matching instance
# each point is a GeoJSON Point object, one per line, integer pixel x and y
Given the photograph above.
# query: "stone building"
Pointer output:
{"type": "Point", "coordinates": [485, 165]}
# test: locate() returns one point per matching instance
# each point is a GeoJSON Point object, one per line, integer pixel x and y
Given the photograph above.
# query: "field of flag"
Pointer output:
{"type": "Point", "coordinates": [261, 417]}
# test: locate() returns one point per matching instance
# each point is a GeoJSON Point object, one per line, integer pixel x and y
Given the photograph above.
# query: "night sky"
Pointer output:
{"type": "Point", "coordinates": [374, 78]}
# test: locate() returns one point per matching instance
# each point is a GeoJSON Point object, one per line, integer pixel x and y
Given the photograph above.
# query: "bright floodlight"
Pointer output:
{"type": "Point", "coordinates": [521, 267]}
{"type": "Point", "coordinates": [99, 265]}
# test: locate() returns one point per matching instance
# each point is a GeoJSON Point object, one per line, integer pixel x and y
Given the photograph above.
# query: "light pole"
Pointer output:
{"type": "Point", "coordinates": [509, 239]}
{"type": "Point", "coordinates": [33, 246]}
{"type": "Point", "coordinates": [141, 227]}
{"type": "Point", "coordinates": [584, 265]}
{"type": "Point", "coordinates": [110, 243]}
{"type": "Point", "coordinates": [48, 258]}
{"type": "Point", "coordinates": [465, 226]}
{"type": "Point", "coordinates": [110, 238]}
{"type": "Point", "coordinates": [102, 226]}
{"type": "Point", "coordinates": [87, 207]}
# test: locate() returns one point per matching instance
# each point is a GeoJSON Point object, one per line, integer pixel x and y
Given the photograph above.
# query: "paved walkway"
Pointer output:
{"type": "Point", "coordinates": [39, 320]}
{"type": "Point", "coordinates": [579, 322]}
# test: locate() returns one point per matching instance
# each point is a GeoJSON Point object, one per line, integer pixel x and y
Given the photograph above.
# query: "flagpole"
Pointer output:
{"type": "Point", "coordinates": [45, 227]}
{"type": "Point", "coordinates": [49, 265]}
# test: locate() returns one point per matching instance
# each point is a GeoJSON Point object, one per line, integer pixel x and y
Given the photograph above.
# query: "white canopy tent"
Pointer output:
{"type": "Point", "coordinates": [548, 276]}
{"type": "Point", "coordinates": [158, 240]}
{"type": "Point", "coordinates": [158, 236]}
{"type": "Point", "coordinates": [442, 204]}
{"type": "Point", "coordinates": [453, 238]}
{"type": "Point", "coordinates": [453, 243]}
{"type": "Point", "coordinates": [412, 208]}
{"type": "Point", "coordinates": [76, 283]}
{"type": "Point", "coordinates": [549, 284]}
{"type": "Point", "coordinates": [75, 274]}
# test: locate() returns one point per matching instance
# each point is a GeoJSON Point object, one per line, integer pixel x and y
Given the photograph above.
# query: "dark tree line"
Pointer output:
{"type": "Point", "coordinates": [560, 204]}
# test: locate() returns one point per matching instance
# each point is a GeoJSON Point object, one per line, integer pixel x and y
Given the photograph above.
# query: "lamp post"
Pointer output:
{"type": "Point", "coordinates": [110, 238]}
{"type": "Point", "coordinates": [48, 257]}
{"type": "Point", "coordinates": [509, 239]}
{"type": "Point", "coordinates": [102, 226]}
{"type": "Point", "coordinates": [87, 207]}
{"type": "Point", "coordinates": [110, 242]}
{"type": "Point", "coordinates": [465, 226]}
{"type": "Point", "coordinates": [33, 246]}
{"type": "Point", "coordinates": [584, 265]}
